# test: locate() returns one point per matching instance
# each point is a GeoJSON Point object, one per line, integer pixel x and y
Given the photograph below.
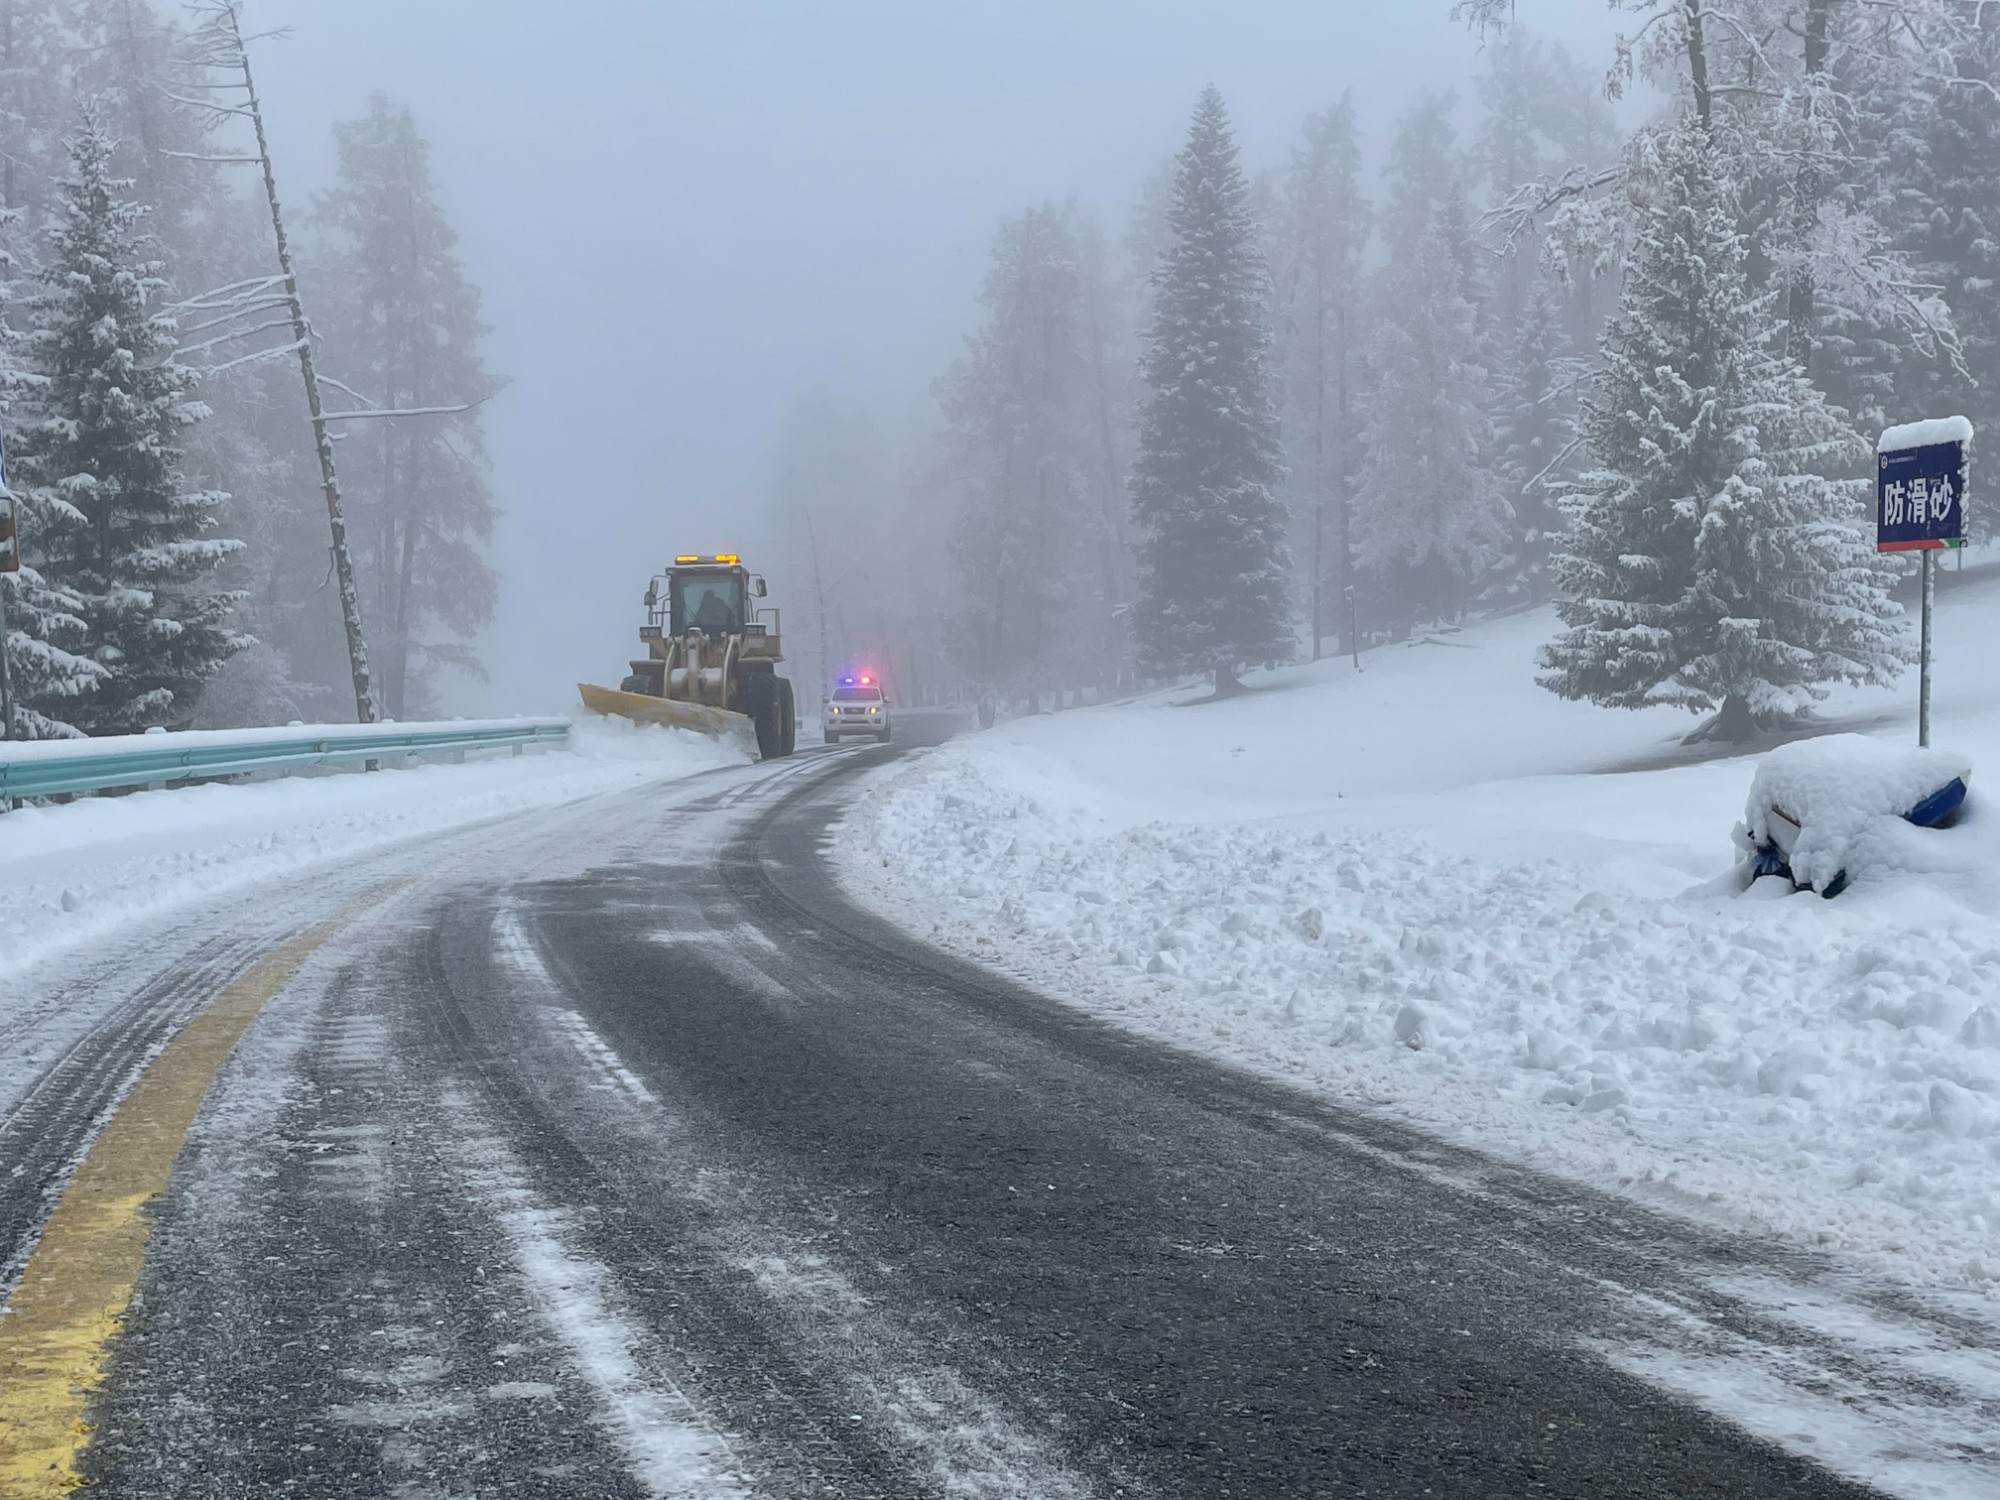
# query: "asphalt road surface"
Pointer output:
{"type": "Point", "coordinates": [612, 1152]}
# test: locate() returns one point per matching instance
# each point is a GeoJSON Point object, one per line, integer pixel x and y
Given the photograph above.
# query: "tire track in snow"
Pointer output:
{"type": "Point", "coordinates": [670, 1446]}
{"type": "Point", "coordinates": [1894, 1402]}
{"type": "Point", "coordinates": [517, 949]}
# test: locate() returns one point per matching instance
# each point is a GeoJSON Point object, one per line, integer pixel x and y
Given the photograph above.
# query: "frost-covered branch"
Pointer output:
{"type": "Point", "coordinates": [229, 338]}
{"type": "Point", "coordinates": [269, 304]}
{"type": "Point", "coordinates": [207, 106]}
{"type": "Point", "coordinates": [1526, 205]}
{"type": "Point", "coordinates": [401, 411]}
{"type": "Point", "coordinates": [256, 357]}
{"type": "Point", "coordinates": [225, 296]}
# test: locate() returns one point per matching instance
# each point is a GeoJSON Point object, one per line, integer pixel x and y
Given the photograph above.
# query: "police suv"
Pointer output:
{"type": "Point", "coordinates": [857, 706]}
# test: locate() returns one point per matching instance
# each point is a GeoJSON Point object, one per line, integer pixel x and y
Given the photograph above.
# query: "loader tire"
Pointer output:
{"type": "Point", "coordinates": [633, 684]}
{"type": "Point", "coordinates": [760, 702]}
{"type": "Point", "coordinates": [788, 737]}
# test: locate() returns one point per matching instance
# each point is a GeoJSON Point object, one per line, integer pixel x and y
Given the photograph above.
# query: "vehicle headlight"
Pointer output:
{"type": "Point", "coordinates": [874, 710]}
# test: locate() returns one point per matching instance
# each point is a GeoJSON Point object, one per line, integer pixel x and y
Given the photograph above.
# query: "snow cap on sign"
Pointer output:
{"type": "Point", "coordinates": [1924, 434]}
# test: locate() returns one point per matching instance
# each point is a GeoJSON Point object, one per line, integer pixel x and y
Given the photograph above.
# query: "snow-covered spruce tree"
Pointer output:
{"type": "Point", "coordinates": [128, 545]}
{"type": "Point", "coordinates": [1429, 512]}
{"type": "Point", "coordinates": [1213, 559]}
{"type": "Point", "coordinates": [45, 624]}
{"type": "Point", "coordinates": [1710, 562]}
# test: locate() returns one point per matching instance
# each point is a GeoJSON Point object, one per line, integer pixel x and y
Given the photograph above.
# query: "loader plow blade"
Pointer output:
{"type": "Point", "coordinates": [644, 708]}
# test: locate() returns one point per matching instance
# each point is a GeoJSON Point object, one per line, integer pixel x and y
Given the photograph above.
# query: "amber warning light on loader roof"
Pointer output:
{"type": "Point", "coordinates": [696, 557]}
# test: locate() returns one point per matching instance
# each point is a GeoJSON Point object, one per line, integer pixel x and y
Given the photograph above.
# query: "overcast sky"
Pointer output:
{"type": "Point", "coordinates": [682, 215]}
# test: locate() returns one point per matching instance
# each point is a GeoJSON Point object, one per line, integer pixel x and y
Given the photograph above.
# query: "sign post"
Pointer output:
{"type": "Point", "coordinates": [1920, 507]}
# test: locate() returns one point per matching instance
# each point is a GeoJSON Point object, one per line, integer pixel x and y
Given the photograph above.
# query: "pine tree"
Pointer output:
{"type": "Point", "coordinates": [1327, 226]}
{"type": "Point", "coordinates": [1542, 117]}
{"type": "Point", "coordinates": [1953, 209]}
{"type": "Point", "coordinates": [45, 622]}
{"type": "Point", "coordinates": [46, 675]}
{"type": "Point", "coordinates": [406, 329]}
{"type": "Point", "coordinates": [1111, 380]}
{"type": "Point", "coordinates": [1429, 509]}
{"type": "Point", "coordinates": [1532, 422]}
{"type": "Point", "coordinates": [1023, 454]}
{"type": "Point", "coordinates": [128, 546]}
{"type": "Point", "coordinates": [37, 101]}
{"type": "Point", "coordinates": [1213, 558]}
{"type": "Point", "coordinates": [1709, 562]}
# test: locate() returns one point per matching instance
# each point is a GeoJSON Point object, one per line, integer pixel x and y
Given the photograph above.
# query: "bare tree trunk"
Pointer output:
{"type": "Point", "coordinates": [1806, 192]}
{"type": "Point", "coordinates": [1319, 444]}
{"type": "Point", "coordinates": [1344, 538]}
{"type": "Point", "coordinates": [7, 182]}
{"type": "Point", "coordinates": [406, 574]}
{"type": "Point", "coordinates": [1111, 536]}
{"type": "Point", "coordinates": [387, 546]}
{"type": "Point", "coordinates": [1733, 723]}
{"type": "Point", "coordinates": [343, 563]}
{"type": "Point", "coordinates": [1697, 50]}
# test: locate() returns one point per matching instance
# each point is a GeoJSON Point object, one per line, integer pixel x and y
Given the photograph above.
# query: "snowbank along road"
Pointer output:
{"type": "Point", "coordinates": [608, 1150]}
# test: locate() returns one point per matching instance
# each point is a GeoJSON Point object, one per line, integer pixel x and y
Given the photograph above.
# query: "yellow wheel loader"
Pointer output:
{"type": "Point", "coordinates": [711, 661]}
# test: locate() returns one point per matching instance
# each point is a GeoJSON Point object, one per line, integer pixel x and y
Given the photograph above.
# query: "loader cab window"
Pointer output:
{"type": "Point", "coordinates": [711, 603]}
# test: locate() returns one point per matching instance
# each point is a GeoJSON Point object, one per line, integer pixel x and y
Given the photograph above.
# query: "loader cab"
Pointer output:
{"type": "Point", "coordinates": [714, 595]}
{"type": "Point", "coordinates": [712, 600]}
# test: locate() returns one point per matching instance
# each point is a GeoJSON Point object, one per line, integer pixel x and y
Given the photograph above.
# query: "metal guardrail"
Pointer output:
{"type": "Point", "coordinates": [44, 768]}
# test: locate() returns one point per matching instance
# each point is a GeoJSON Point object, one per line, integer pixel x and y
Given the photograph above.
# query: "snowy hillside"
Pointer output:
{"type": "Point", "coordinates": [1435, 888]}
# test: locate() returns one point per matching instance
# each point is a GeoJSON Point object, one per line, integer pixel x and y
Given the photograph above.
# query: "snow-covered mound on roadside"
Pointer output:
{"type": "Point", "coordinates": [1543, 958]}
{"type": "Point", "coordinates": [1838, 806]}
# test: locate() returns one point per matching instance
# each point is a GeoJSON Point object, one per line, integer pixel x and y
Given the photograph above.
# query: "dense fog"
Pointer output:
{"type": "Point", "coordinates": [872, 295]}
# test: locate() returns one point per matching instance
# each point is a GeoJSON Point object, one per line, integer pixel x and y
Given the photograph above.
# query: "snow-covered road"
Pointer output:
{"type": "Point", "coordinates": [625, 1155]}
{"type": "Point", "coordinates": [1429, 889]}
{"type": "Point", "coordinates": [607, 1150]}
{"type": "Point", "coordinates": [79, 881]}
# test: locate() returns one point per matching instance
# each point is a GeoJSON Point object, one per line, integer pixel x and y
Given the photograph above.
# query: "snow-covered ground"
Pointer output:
{"type": "Point", "coordinates": [1435, 889]}
{"type": "Point", "coordinates": [72, 875]}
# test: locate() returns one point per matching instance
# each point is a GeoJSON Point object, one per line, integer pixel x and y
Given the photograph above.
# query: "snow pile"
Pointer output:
{"type": "Point", "coordinates": [1410, 889]}
{"type": "Point", "coordinates": [74, 873]}
{"type": "Point", "coordinates": [1837, 804]}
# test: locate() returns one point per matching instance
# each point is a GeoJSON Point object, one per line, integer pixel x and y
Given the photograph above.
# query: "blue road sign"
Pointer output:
{"type": "Point", "coordinates": [1920, 498]}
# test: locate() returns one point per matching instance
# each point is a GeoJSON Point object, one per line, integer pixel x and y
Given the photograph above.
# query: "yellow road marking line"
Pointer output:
{"type": "Point", "coordinates": [57, 1327]}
